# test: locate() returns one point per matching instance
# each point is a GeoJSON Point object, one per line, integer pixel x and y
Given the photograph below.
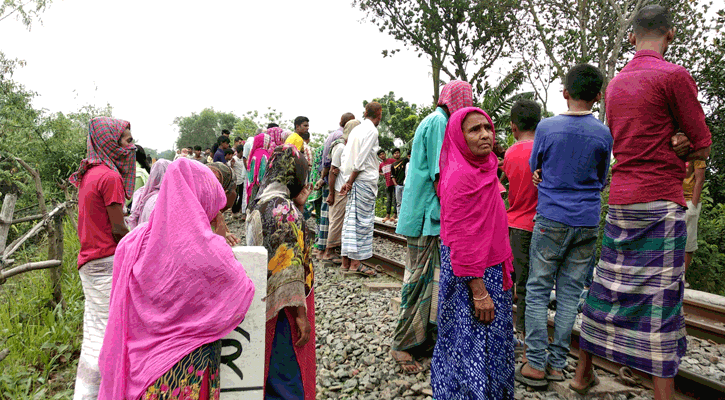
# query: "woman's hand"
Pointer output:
{"type": "Point", "coordinates": [301, 198]}
{"type": "Point", "coordinates": [231, 239]}
{"type": "Point", "coordinates": [303, 325]}
{"type": "Point", "coordinates": [483, 308]}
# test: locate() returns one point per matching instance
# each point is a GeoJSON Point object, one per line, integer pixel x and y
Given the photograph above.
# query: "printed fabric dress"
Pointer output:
{"type": "Point", "coordinates": [472, 360]}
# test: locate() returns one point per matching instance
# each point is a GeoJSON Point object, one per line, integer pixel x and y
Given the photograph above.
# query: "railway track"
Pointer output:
{"type": "Point", "coordinates": [704, 321]}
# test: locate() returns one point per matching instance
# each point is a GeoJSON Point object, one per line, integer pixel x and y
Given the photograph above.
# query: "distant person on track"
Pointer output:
{"type": "Point", "coordinates": [325, 189]}
{"type": "Point", "coordinates": [571, 155]}
{"type": "Point", "coordinates": [523, 198]}
{"type": "Point", "coordinates": [240, 171]}
{"type": "Point", "coordinates": [177, 291]}
{"type": "Point", "coordinates": [474, 352]}
{"type": "Point", "coordinates": [398, 170]}
{"type": "Point", "coordinates": [275, 222]}
{"type": "Point", "coordinates": [361, 164]}
{"type": "Point", "coordinates": [692, 188]}
{"type": "Point", "coordinates": [198, 156]}
{"type": "Point", "coordinates": [633, 314]}
{"type": "Point", "coordinates": [105, 179]}
{"type": "Point", "coordinates": [336, 200]}
{"type": "Point", "coordinates": [419, 221]}
{"type": "Point", "coordinates": [386, 171]}
{"type": "Point", "coordinates": [141, 210]}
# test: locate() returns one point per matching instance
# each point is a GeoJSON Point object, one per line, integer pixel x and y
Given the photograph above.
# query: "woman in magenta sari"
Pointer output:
{"type": "Point", "coordinates": [144, 203]}
{"type": "Point", "coordinates": [177, 290]}
{"type": "Point", "coordinates": [474, 354]}
{"type": "Point", "coordinates": [262, 149]}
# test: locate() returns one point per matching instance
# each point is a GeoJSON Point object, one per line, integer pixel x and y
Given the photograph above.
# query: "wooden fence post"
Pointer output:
{"type": "Point", "coordinates": [55, 252]}
{"type": "Point", "coordinates": [6, 218]}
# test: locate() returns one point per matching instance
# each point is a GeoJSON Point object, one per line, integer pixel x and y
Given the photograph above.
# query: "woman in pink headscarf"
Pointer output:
{"type": "Point", "coordinates": [177, 290]}
{"type": "Point", "coordinates": [474, 353]}
{"type": "Point", "coordinates": [145, 198]}
{"type": "Point", "coordinates": [262, 149]}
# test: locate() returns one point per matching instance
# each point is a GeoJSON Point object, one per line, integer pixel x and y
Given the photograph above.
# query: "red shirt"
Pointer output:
{"type": "Point", "coordinates": [385, 168]}
{"type": "Point", "coordinates": [100, 187]}
{"type": "Point", "coordinates": [647, 103]}
{"type": "Point", "coordinates": [523, 195]}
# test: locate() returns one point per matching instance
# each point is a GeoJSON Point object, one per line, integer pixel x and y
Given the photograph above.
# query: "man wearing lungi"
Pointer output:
{"type": "Point", "coordinates": [633, 314]}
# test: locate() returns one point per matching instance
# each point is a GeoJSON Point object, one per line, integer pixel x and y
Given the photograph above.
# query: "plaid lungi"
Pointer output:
{"type": "Point", "coordinates": [633, 315]}
{"type": "Point", "coordinates": [419, 294]}
{"type": "Point", "coordinates": [323, 225]}
{"type": "Point", "coordinates": [357, 227]}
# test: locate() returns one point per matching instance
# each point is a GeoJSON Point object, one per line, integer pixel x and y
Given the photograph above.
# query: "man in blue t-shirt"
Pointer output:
{"type": "Point", "coordinates": [220, 156]}
{"type": "Point", "coordinates": [570, 161]}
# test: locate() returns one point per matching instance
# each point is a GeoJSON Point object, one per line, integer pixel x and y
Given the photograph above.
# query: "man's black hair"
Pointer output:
{"type": "Point", "coordinates": [197, 148]}
{"type": "Point", "coordinates": [272, 125]}
{"type": "Point", "coordinates": [240, 150]}
{"type": "Point", "coordinates": [228, 151]}
{"type": "Point", "coordinates": [238, 138]}
{"type": "Point", "coordinates": [526, 114]}
{"type": "Point", "coordinates": [208, 148]}
{"type": "Point", "coordinates": [141, 158]}
{"type": "Point", "coordinates": [584, 82]}
{"type": "Point", "coordinates": [301, 120]}
{"type": "Point", "coordinates": [380, 151]}
{"type": "Point", "coordinates": [222, 139]}
{"type": "Point", "coordinates": [396, 149]}
{"type": "Point", "coordinates": [225, 132]}
{"type": "Point", "coordinates": [652, 20]}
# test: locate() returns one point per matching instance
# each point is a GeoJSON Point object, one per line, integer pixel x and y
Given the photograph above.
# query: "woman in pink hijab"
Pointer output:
{"type": "Point", "coordinates": [177, 290]}
{"type": "Point", "coordinates": [262, 150]}
{"type": "Point", "coordinates": [474, 353]}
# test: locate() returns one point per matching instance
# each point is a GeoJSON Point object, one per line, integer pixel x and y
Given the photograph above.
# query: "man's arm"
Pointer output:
{"type": "Point", "coordinates": [699, 182]}
{"type": "Point", "coordinates": [332, 178]}
{"type": "Point", "coordinates": [688, 113]}
{"type": "Point", "coordinates": [118, 226]}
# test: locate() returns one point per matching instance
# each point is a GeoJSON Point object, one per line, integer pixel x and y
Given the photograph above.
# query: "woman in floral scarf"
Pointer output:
{"type": "Point", "coordinates": [275, 221]}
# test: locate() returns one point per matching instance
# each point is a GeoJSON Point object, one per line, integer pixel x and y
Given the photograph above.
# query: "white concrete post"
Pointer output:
{"type": "Point", "coordinates": [242, 369]}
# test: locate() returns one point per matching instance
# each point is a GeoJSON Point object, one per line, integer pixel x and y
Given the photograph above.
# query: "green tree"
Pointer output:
{"type": "Point", "coordinates": [498, 100]}
{"type": "Point", "coordinates": [400, 119]}
{"type": "Point", "coordinates": [462, 38]}
{"type": "Point", "coordinates": [245, 128]}
{"type": "Point", "coordinates": [167, 154]}
{"type": "Point", "coordinates": [567, 33]}
{"type": "Point", "coordinates": [271, 115]}
{"type": "Point", "coordinates": [24, 10]}
{"type": "Point", "coordinates": [202, 129]}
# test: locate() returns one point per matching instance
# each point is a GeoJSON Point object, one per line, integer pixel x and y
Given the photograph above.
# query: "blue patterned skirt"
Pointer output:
{"type": "Point", "coordinates": [472, 360]}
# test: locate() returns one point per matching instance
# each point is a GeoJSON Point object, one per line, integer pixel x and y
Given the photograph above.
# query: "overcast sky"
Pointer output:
{"type": "Point", "coordinates": [156, 60]}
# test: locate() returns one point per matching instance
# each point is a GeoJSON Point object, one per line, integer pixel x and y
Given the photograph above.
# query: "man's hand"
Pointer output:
{"type": "Point", "coordinates": [301, 198]}
{"type": "Point", "coordinates": [681, 145]}
{"type": "Point", "coordinates": [346, 188]}
{"type": "Point", "coordinates": [536, 178]}
{"type": "Point", "coordinates": [319, 184]}
{"type": "Point", "coordinates": [331, 198]}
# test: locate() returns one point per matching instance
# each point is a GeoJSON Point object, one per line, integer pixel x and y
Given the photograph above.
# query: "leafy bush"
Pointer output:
{"type": "Point", "coordinates": [707, 271]}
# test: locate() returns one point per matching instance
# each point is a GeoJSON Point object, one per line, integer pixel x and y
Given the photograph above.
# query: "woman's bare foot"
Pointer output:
{"type": "Point", "coordinates": [406, 362]}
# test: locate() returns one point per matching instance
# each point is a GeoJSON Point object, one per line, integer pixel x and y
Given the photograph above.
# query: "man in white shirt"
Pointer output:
{"type": "Point", "coordinates": [237, 164]}
{"type": "Point", "coordinates": [360, 163]}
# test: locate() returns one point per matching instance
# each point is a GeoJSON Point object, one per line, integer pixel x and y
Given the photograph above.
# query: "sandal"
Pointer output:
{"type": "Point", "coordinates": [555, 378]}
{"type": "Point", "coordinates": [531, 382]}
{"type": "Point", "coordinates": [583, 391]}
{"type": "Point", "coordinates": [363, 270]}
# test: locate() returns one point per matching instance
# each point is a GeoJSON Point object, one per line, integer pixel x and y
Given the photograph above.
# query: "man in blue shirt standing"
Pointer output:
{"type": "Point", "coordinates": [570, 161]}
{"type": "Point", "coordinates": [419, 220]}
{"type": "Point", "coordinates": [223, 142]}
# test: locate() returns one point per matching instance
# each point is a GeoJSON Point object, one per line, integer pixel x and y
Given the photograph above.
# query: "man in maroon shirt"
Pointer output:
{"type": "Point", "coordinates": [633, 314]}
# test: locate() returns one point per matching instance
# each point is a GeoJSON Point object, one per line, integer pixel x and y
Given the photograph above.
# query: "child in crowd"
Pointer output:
{"type": "Point", "coordinates": [569, 160]}
{"type": "Point", "coordinates": [228, 155]}
{"type": "Point", "coordinates": [523, 197]}
{"type": "Point", "coordinates": [386, 170]}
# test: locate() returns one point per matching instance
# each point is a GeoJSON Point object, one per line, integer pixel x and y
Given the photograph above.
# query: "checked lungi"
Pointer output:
{"type": "Point", "coordinates": [323, 225]}
{"type": "Point", "coordinates": [633, 314]}
{"type": "Point", "coordinates": [357, 228]}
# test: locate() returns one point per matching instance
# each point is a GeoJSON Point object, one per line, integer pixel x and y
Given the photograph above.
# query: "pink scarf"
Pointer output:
{"type": "Point", "coordinates": [478, 236]}
{"type": "Point", "coordinates": [150, 189]}
{"type": "Point", "coordinates": [176, 285]}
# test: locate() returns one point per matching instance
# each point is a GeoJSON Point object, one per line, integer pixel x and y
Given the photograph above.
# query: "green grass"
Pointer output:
{"type": "Point", "coordinates": [44, 341]}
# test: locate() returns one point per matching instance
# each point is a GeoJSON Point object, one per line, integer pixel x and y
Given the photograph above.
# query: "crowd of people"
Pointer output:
{"type": "Point", "coordinates": [161, 291]}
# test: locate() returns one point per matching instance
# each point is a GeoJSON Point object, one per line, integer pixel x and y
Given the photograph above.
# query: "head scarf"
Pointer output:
{"type": "Point", "coordinates": [225, 174]}
{"type": "Point", "coordinates": [477, 236]}
{"type": "Point", "coordinates": [150, 189]}
{"type": "Point", "coordinates": [176, 285]}
{"type": "Point", "coordinates": [277, 138]}
{"type": "Point", "coordinates": [275, 222]}
{"type": "Point", "coordinates": [456, 95]}
{"type": "Point", "coordinates": [261, 141]}
{"type": "Point", "coordinates": [103, 149]}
